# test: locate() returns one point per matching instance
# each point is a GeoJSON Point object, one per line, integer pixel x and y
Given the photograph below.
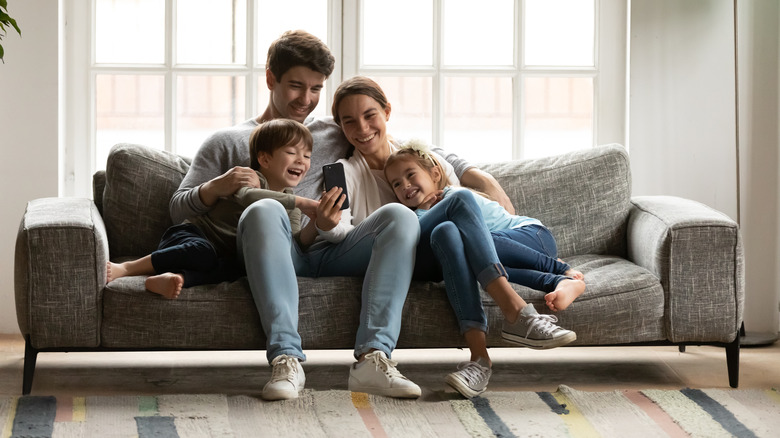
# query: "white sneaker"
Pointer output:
{"type": "Point", "coordinates": [471, 379]}
{"type": "Point", "coordinates": [377, 375]}
{"type": "Point", "coordinates": [534, 330]}
{"type": "Point", "coordinates": [287, 379]}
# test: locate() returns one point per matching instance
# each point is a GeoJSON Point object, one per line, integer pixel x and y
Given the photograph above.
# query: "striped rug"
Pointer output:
{"type": "Point", "coordinates": [564, 413]}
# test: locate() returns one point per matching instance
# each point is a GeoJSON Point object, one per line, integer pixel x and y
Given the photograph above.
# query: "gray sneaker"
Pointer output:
{"type": "Point", "coordinates": [471, 379]}
{"type": "Point", "coordinates": [534, 330]}
{"type": "Point", "coordinates": [287, 379]}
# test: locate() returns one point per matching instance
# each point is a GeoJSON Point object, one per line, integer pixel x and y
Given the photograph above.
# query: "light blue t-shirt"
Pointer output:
{"type": "Point", "coordinates": [496, 217]}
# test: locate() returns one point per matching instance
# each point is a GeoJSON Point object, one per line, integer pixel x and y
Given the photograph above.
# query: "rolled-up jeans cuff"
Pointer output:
{"type": "Point", "coordinates": [491, 273]}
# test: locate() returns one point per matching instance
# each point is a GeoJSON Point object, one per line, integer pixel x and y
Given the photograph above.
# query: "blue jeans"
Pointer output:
{"type": "Point", "coordinates": [529, 254]}
{"type": "Point", "coordinates": [381, 248]}
{"type": "Point", "coordinates": [455, 231]}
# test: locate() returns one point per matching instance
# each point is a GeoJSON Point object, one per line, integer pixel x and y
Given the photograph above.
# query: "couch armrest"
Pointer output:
{"type": "Point", "coordinates": [696, 252]}
{"type": "Point", "coordinates": [60, 272]}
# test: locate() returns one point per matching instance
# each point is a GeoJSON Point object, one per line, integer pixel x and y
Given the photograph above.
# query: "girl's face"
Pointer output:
{"type": "Point", "coordinates": [411, 183]}
{"type": "Point", "coordinates": [286, 166]}
{"type": "Point", "coordinates": [363, 121]}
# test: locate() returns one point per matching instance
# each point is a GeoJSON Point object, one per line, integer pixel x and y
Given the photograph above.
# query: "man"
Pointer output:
{"type": "Point", "coordinates": [381, 248]}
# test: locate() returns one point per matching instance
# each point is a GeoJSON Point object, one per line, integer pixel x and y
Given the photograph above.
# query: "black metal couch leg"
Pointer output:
{"type": "Point", "coordinates": [30, 357]}
{"type": "Point", "coordinates": [732, 362]}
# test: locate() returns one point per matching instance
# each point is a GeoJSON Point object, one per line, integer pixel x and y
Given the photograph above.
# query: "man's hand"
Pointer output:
{"type": "Point", "coordinates": [329, 210]}
{"type": "Point", "coordinates": [227, 184]}
{"type": "Point", "coordinates": [485, 183]}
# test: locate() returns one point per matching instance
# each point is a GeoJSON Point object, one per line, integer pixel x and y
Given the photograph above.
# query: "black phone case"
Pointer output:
{"type": "Point", "coordinates": [333, 174]}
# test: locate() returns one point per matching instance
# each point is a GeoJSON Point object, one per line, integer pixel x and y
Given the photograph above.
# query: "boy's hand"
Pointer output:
{"type": "Point", "coordinates": [227, 184]}
{"type": "Point", "coordinates": [431, 200]}
{"type": "Point", "coordinates": [307, 206]}
{"type": "Point", "coordinates": [329, 209]}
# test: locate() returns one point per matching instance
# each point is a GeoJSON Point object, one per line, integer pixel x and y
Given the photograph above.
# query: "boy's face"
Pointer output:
{"type": "Point", "coordinates": [411, 183]}
{"type": "Point", "coordinates": [296, 94]}
{"type": "Point", "coordinates": [286, 166]}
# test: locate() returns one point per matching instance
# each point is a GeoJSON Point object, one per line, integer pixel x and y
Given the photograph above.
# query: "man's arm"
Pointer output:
{"type": "Point", "coordinates": [473, 177]}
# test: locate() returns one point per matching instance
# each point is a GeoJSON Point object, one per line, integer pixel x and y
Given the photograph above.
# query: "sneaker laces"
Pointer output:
{"type": "Point", "coordinates": [472, 371]}
{"type": "Point", "coordinates": [388, 366]}
{"type": "Point", "coordinates": [285, 368]}
{"type": "Point", "coordinates": [543, 323]}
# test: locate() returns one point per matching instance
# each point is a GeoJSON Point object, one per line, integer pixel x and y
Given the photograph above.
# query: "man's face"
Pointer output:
{"type": "Point", "coordinates": [296, 94]}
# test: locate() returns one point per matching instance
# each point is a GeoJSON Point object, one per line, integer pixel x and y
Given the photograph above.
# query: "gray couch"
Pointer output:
{"type": "Point", "coordinates": [658, 269]}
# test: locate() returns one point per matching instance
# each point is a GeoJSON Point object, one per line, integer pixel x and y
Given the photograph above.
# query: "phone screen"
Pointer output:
{"type": "Point", "coordinates": [334, 177]}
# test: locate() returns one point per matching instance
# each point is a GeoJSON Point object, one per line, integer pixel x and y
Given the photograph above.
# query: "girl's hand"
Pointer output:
{"type": "Point", "coordinates": [307, 206]}
{"type": "Point", "coordinates": [329, 209]}
{"type": "Point", "coordinates": [431, 200]}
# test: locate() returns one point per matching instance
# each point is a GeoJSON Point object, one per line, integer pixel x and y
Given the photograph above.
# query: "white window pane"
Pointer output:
{"type": "Point", "coordinates": [397, 32]}
{"type": "Point", "coordinates": [129, 109]}
{"type": "Point", "coordinates": [205, 104]}
{"type": "Point", "coordinates": [481, 35]}
{"type": "Point", "coordinates": [559, 32]}
{"type": "Point", "coordinates": [276, 17]}
{"type": "Point", "coordinates": [411, 104]}
{"type": "Point", "coordinates": [211, 32]}
{"type": "Point", "coordinates": [558, 115]}
{"type": "Point", "coordinates": [478, 118]}
{"type": "Point", "coordinates": [130, 31]}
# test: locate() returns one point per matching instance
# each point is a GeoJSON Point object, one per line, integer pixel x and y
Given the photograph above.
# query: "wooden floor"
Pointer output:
{"type": "Point", "coordinates": [517, 369]}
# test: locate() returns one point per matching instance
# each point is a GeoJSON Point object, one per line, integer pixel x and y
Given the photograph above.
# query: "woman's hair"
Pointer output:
{"type": "Point", "coordinates": [275, 134]}
{"type": "Point", "coordinates": [357, 85]}
{"type": "Point", "coordinates": [419, 153]}
{"type": "Point", "coordinates": [299, 48]}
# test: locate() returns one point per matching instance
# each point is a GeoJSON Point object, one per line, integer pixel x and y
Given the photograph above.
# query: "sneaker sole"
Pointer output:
{"type": "Point", "coordinates": [461, 387]}
{"type": "Point", "coordinates": [539, 344]}
{"type": "Point", "coordinates": [387, 392]}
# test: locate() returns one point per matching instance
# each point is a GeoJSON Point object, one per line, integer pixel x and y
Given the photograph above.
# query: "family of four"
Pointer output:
{"type": "Point", "coordinates": [256, 188]}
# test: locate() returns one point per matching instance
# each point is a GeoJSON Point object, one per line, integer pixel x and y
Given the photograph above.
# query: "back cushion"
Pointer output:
{"type": "Point", "coordinates": [139, 182]}
{"type": "Point", "coordinates": [583, 197]}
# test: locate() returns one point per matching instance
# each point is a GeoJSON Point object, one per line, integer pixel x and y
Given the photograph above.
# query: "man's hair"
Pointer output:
{"type": "Point", "coordinates": [299, 48]}
{"type": "Point", "coordinates": [275, 134]}
{"type": "Point", "coordinates": [357, 85]}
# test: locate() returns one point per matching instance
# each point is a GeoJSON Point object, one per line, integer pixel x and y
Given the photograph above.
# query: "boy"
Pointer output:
{"type": "Point", "coordinates": [201, 250]}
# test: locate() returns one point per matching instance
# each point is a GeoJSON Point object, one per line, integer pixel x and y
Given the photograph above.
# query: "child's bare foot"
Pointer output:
{"type": "Point", "coordinates": [167, 284]}
{"type": "Point", "coordinates": [564, 294]}
{"type": "Point", "coordinates": [114, 271]}
{"type": "Point", "coordinates": [573, 273]}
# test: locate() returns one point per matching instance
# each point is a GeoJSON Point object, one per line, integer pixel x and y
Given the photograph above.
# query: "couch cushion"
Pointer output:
{"type": "Point", "coordinates": [584, 197]}
{"type": "Point", "coordinates": [139, 184]}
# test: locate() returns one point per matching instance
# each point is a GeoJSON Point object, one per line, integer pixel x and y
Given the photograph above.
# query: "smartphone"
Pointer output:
{"type": "Point", "coordinates": [334, 177]}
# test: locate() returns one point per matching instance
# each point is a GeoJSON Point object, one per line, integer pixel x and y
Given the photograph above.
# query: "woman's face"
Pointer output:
{"type": "Point", "coordinates": [363, 121]}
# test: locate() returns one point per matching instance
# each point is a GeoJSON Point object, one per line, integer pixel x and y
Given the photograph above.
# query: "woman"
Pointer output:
{"type": "Point", "coordinates": [452, 229]}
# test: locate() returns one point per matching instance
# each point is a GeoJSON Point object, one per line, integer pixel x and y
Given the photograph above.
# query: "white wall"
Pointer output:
{"type": "Point", "coordinates": [28, 130]}
{"type": "Point", "coordinates": [683, 123]}
{"type": "Point", "coordinates": [682, 130]}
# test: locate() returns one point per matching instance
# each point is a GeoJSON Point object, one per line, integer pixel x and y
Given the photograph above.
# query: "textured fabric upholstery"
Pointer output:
{"type": "Point", "coordinates": [656, 268]}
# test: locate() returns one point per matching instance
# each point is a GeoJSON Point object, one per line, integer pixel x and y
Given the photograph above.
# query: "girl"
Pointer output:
{"type": "Point", "coordinates": [453, 229]}
{"type": "Point", "coordinates": [525, 247]}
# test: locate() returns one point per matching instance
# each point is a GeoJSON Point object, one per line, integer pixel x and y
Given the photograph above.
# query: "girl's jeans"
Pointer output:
{"type": "Point", "coordinates": [455, 232]}
{"type": "Point", "coordinates": [381, 248]}
{"type": "Point", "coordinates": [529, 254]}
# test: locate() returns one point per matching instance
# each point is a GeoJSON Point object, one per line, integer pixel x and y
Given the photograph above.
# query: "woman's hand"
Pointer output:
{"type": "Point", "coordinates": [329, 209]}
{"type": "Point", "coordinates": [431, 200]}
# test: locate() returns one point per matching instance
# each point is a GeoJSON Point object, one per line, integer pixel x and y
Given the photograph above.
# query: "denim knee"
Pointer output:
{"type": "Point", "coordinates": [400, 222]}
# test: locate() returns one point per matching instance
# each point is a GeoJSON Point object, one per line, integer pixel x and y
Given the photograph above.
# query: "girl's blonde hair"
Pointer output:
{"type": "Point", "coordinates": [418, 152]}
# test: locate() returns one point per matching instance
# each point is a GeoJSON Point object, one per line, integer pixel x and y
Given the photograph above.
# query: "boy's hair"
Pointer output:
{"type": "Point", "coordinates": [299, 48]}
{"type": "Point", "coordinates": [275, 134]}
{"type": "Point", "coordinates": [357, 85]}
{"type": "Point", "coordinates": [418, 152]}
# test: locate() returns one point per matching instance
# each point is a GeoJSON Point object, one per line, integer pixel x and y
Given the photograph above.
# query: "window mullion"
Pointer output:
{"type": "Point", "coordinates": [170, 77]}
{"type": "Point", "coordinates": [438, 103]}
{"type": "Point", "coordinates": [252, 73]}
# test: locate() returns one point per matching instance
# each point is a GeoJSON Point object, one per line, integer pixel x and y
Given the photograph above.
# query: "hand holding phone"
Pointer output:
{"type": "Point", "coordinates": [334, 177]}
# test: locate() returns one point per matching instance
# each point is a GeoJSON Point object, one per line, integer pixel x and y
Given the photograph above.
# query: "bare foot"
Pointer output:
{"type": "Point", "coordinates": [573, 273]}
{"type": "Point", "coordinates": [114, 271]}
{"type": "Point", "coordinates": [167, 284]}
{"type": "Point", "coordinates": [563, 295]}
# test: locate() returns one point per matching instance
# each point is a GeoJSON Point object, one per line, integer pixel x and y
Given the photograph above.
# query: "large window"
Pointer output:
{"type": "Point", "coordinates": [492, 80]}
